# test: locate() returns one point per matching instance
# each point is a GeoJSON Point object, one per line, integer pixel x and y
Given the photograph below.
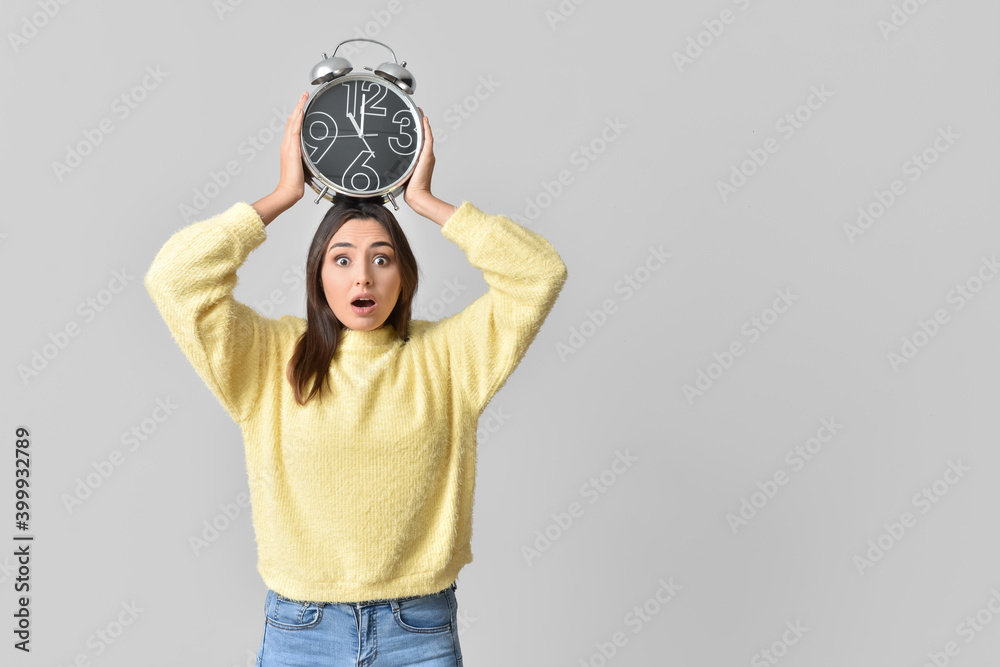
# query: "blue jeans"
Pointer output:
{"type": "Point", "coordinates": [421, 629]}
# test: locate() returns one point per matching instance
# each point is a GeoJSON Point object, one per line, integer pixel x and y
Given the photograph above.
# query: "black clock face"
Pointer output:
{"type": "Point", "coordinates": [360, 134]}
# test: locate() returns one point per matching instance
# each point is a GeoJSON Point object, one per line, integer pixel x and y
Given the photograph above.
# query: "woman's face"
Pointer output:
{"type": "Point", "coordinates": [360, 259]}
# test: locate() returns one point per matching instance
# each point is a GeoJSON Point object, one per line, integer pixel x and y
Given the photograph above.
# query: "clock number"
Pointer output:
{"type": "Point", "coordinates": [321, 128]}
{"type": "Point", "coordinates": [406, 130]}
{"type": "Point", "coordinates": [371, 105]}
{"type": "Point", "coordinates": [362, 170]}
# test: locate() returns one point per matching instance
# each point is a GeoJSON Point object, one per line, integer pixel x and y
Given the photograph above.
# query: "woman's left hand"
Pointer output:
{"type": "Point", "coordinates": [418, 188]}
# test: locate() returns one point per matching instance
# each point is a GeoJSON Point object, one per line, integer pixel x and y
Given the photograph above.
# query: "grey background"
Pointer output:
{"type": "Point", "coordinates": [564, 417]}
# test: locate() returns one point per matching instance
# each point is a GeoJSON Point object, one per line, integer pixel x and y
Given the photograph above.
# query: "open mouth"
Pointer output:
{"type": "Point", "coordinates": [363, 306]}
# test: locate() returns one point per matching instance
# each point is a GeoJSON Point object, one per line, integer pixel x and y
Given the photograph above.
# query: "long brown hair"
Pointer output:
{"type": "Point", "coordinates": [315, 348]}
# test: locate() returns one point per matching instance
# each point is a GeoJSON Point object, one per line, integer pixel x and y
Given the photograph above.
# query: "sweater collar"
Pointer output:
{"type": "Point", "coordinates": [376, 339]}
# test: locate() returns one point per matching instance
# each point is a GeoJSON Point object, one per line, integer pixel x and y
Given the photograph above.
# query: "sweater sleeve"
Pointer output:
{"type": "Point", "coordinates": [488, 339]}
{"type": "Point", "coordinates": [191, 281]}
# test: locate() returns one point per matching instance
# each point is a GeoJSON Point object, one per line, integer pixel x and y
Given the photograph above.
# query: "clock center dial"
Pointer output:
{"type": "Point", "coordinates": [361, 135]}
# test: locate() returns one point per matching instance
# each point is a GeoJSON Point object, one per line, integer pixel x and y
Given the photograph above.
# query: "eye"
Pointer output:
{"type": "Point", "coordinates": [385, 258]}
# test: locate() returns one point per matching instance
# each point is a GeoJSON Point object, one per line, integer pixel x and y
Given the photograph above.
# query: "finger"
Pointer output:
{"type": "Point", "coordinates": [428, 134]}
{"type": "Point", "coordinates": [296, 115]}
{"type": "Point", "coordinates": [301, 106]}
{"type": "Point", "coordinates": [298, 108]}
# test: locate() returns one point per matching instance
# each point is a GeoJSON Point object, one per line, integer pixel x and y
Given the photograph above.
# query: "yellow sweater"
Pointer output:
{"type": "Point", "coordinates": [367, 494]}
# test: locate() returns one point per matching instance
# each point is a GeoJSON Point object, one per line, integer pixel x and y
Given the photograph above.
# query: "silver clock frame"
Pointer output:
{"type": "Point", "coordinates": [322, 185]}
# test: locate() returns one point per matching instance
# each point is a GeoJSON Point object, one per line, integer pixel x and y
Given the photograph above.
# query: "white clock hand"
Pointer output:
{"type": "Point", "coordinates": [360, 136]}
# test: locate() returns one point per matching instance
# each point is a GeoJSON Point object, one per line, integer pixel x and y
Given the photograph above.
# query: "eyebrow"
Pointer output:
{"type": "Point", "coordinates": [345, 244]}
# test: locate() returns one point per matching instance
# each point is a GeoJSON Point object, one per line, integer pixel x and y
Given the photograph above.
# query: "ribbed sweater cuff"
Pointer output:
{"type": "Point", "coordinates": [466, 226]}
{"type": "Point", "coordinates": [246, 226]}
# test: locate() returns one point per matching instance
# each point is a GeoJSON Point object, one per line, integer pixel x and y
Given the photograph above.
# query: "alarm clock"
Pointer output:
{"type": "Point", "coordinates": [361, 132]}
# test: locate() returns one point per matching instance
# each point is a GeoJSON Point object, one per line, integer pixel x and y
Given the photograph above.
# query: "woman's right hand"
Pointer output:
{"type": "Point", "coordinates": [291, 183]}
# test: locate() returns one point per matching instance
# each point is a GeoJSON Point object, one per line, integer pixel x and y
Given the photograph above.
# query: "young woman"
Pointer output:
{"type": "Point", "coordinates": [359, 424]}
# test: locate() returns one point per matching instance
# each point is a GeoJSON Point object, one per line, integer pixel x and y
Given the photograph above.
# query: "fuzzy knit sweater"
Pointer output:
{"type": "Point", "coordinates": [367, 493]}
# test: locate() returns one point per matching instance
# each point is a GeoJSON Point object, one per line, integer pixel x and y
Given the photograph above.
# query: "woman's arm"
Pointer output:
{"type": "Point", "coordinates": [487, 340]}
{"type": "Point", "coordinates": [191, 282]}
{"type": "Point", "coordinates": [271, 206]}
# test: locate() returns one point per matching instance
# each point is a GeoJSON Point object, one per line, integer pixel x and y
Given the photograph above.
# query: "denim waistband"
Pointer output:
{"type": "Point", "coordinates": [365, 603]}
